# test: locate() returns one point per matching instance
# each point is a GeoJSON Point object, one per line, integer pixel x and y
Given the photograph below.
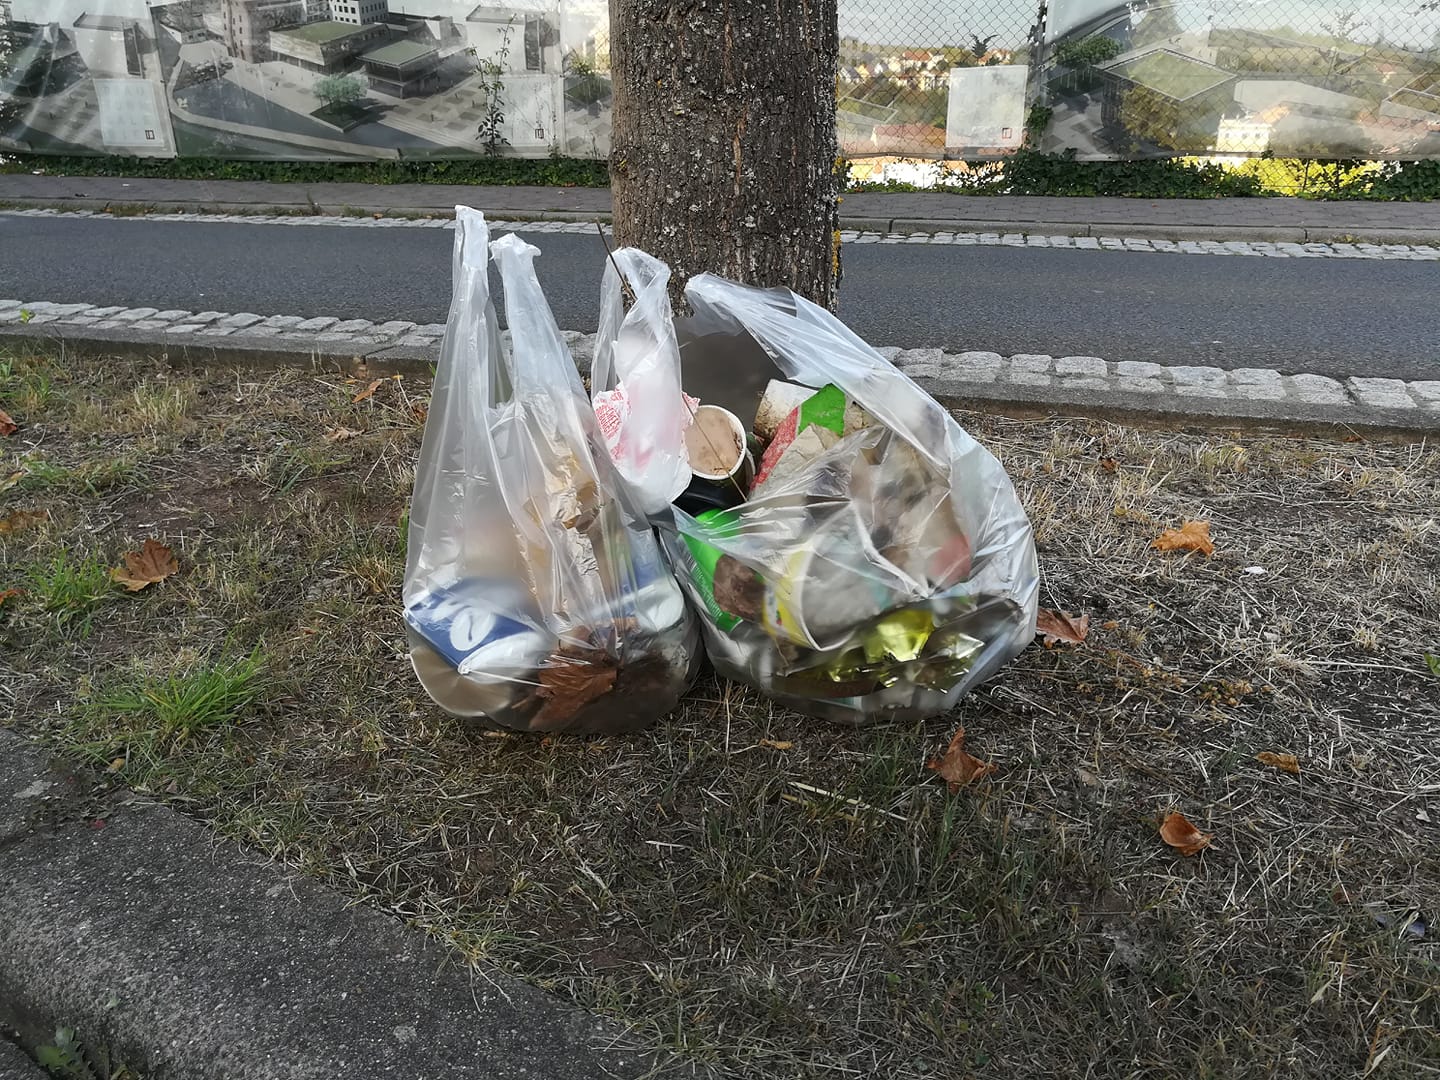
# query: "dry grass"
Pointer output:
{"type": "Point", "coordinates": [829, 909]}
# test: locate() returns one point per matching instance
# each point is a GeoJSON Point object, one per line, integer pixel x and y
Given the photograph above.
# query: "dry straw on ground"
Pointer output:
{"type": "Point", "coordinates": [769, 894]}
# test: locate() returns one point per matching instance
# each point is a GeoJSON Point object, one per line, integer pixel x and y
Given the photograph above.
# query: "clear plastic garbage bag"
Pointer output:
{"type": "Point", "coordinates": [886, 574]}
{"type": "Point", "coordinates": [535, 591]}
{"type": "Point", "coordinates": [635, 381]}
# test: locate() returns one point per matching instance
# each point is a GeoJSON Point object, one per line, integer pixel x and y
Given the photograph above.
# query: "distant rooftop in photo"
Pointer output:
{"type": "Point", "coordinates": [322, 33]}
{"type": "Point", "coordinates": [1170, 73]}
{"type": "Point", "coordinates": [103, 22]}
{"type": "Point", "coordinates": [399, 53]}
{"type": "Point", "coordinates": [486, 13]}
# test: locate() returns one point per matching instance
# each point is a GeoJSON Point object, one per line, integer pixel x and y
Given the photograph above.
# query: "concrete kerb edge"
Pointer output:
{"type": "Point", "coordinates": [232, 351]}
{"type": "Point", "coordinates": [909, 226]}
{"type": "Point", "coordinates": [15, 1065]}
{"type": "Point", "coordinates": [308, 207]}
{"type": "Point", "coordinates": [1319, 235]}
{"type": "Point", "coordinates": [295, 208]}
{"type": "Point", "coordinates": [1014, 399]}
{"type": "Point", "coordinates": [413, 213]}
{"type": "Point", "coordinates": [865, 224]}
{"type": "Point", "coordinates": [1273, 234]}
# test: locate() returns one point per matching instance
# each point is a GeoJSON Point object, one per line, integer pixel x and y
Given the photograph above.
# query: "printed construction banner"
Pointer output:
{"type": "Point", "coordinates": [355, 79]}
{"type": "Point", "coordinates": [335, 79]}
{"type": "Point", "coordinates": [1220, 78]}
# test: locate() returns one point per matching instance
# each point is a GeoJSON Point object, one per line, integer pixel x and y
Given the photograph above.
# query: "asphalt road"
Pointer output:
{"type": "Point", "coordinates": [1332, 316]}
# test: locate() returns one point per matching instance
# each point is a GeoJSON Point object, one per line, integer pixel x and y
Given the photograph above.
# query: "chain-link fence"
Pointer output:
{"type": "Point", "coordinates": [1229, 79]}
{"type": "Point", "coordinates": [927, 79]}
{"type": "Point", "coordinates": [944, 80]}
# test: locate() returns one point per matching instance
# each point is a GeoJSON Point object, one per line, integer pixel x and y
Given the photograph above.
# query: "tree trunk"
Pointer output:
{"type": "Point", "coordinates": [723, 146]}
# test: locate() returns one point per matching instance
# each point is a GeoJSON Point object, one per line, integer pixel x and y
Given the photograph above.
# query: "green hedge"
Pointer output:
{"type": "Point", "coordinates": [548, 172]}
{"type": "Point", "coordinates": [1025, 173]}
{"type": "Point", "coordinates": [1028, 172]}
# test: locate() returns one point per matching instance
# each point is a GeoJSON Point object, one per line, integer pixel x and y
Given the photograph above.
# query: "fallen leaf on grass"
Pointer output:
{"type": "Point", "coordinates": [957, 767]}
{"type": "Point", "coordinates": [1108, 464]}
{"type": "Point", "coordinates": [1433, 663]}
{"type": "Point", "coordinates": [368, 392]}
{"type": "Point", "coordinates": [777, 744]}
{"type": "Point", "coordinates": [153, 562]}
{"type": "Point", "coordinates": [1192, 536]}
{"type": "Point", "coordinates": [8, 594]}
{"type": "Point", "coordinates": [1184, 837]}
{"type": "Point", "coordinates": [16, 520]}
{"type": "Point", "coordinates": [14, 478]}
{"type": "Point", "coordinates": [1062, 627]}
{"type": "Point", "coordinates": [1285, 762]}
{"type": "Point", "coordinates": [340, 434]}
{"type": "Point", "coordinates": [8, 426]}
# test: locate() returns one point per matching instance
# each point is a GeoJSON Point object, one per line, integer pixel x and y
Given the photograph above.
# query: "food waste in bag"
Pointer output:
{"type": "Point", "coordinates": [875, 562]}
{"type": "Point", "coordinates": [535, 593]}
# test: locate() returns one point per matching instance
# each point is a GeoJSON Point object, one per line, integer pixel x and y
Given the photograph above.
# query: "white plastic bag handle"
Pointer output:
{"type": "Point", "coordinates": [455, 462]}
{"type": "Point", "coordinates": [540, 359]}
{"type": "Point", "coordinates": [636, 353]}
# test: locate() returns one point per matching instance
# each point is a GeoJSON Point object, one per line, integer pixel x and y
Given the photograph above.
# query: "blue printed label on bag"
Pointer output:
{"type": "Point", "coordinates": [466, 623]}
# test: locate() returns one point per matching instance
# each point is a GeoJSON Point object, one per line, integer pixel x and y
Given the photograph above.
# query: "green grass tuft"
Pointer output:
{"type": "Point", "coordinates": [151, 714]}
{"type": "Point", "coordinates": [70, 589]}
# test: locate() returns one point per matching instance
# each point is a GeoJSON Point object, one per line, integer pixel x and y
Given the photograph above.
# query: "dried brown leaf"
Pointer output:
{"type": "Point", "coordinates": [1285, 762]}
{"type": "Point", "coordinates": [570, 679]}
{"type": "Point", "coordinates": [17, 520]}
{"type": "Point", "coordinates": [957, 767]}
{"type": "Point", "coordinates": [1184, 837]}
{"type": "Point", "coordinates": [8, 594]}
{"type": "Point", "coordinates": [368, 392]}
{"type": "Point", "coordinates": [1062, 627]}
{"type": "Point", "coordinates": [1108, 464]}
{"type": "Point", "coordinates": [153, 562]}
{"type": "Point", "coordinates": [8, 426]}
{"type": "Point", "coordinates": [777, 744]}
{"type": "Point", "coordinates": [1192, 536]}
{"type": "Point", "coordinates": [340, 434]}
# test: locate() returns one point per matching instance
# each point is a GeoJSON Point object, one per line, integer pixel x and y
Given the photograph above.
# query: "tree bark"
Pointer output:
{"type": "Point", "coordinates": [723, 141]}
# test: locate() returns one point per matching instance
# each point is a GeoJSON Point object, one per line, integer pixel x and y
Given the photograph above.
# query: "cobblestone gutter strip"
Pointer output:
{"type": "Point", "coordinates": [897, 232]}
{"type": "Point", "coordinates": [1067, 383]}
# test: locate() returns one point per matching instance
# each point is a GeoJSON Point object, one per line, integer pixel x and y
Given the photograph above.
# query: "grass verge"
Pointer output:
{"type": "Point", "coordinates": [768, 894]}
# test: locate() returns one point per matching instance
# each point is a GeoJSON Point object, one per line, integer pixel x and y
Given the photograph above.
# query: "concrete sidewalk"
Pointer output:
{"type": "Point", "coordinates": [1278, 219]}
{"type": "Point", "coordinates": [188, 958]}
